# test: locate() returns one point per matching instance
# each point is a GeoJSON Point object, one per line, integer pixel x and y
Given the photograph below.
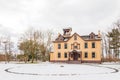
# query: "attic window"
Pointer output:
{"type": "Point", "coordinates": [75, 37]}
{"type": "Point", "coordinates": [92, 36]}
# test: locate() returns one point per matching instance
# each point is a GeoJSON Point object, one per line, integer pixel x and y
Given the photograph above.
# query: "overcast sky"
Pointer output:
{"type": "Point", "coordinates": [84, 16]}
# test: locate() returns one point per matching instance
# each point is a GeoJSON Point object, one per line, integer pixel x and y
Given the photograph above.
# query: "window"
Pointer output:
{"type": "Point", "coordinates": [59, 55]}
{"type": "Point", "coordinates": [93, 54]}
{"type": "Point", "coordinates": [59, 46]}
{"type": "Point", "coordinates": [75, 37]}
{"type": "Point", "coordinates": [86, 55]}
{"type": "Point", "coordinates": [93, 45]}
{"type": "Point", "coordinates": [79, 55]}
{"type": "Point", "coordinates": [92, 36]}
{"type": "Point", "coordinates": [65, 55]}
{"type": "Point", "coordinates": [86, 45]}
{"type": "Point", "coordinates": [65, 46]}
{"type": "Point", "coordinates": [75, 47]}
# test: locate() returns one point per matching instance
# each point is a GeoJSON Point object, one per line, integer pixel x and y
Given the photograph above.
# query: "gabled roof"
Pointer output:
{"type": "Point", "coordinates": [61, 38]}
{"type": "Point", "coordinates": [77, 35]}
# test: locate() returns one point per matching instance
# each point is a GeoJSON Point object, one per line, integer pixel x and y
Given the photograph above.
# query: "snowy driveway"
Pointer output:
{"type": "Point", "coordinates": [48, 71]}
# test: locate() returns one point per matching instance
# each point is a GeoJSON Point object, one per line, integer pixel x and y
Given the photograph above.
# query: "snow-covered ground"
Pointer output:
{"type": "Point", "coordinates": [50, 71]}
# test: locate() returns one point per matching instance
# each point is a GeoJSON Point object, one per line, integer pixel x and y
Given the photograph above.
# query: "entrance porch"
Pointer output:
{"type": "Point", "coordinates": [75, 56]}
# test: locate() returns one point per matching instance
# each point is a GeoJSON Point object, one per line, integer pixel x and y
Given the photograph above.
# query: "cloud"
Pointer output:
{"type": "Point", "coordinates": [83, 16]}
{"type": "Point", "coordinates": [80, 14]}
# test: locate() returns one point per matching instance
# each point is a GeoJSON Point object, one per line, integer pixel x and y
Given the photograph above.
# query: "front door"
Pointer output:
{"type": "Point", "coordinates": [75, 56]}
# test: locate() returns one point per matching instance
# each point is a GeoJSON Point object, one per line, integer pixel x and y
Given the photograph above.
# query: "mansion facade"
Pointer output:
{"type": "Point", "coordinates": [78, 48]}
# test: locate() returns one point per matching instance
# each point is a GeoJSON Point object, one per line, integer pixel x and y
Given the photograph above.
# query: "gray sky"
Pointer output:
{"type": "Point", "coordinates": [84, 16]}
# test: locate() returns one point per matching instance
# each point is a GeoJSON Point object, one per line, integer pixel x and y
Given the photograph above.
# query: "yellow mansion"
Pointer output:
{"type": "Point", "coordinates": [76, 48]}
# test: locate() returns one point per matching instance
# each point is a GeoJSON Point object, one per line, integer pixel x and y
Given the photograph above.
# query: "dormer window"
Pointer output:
{"type": "Point", "coordinates": [92, 36]}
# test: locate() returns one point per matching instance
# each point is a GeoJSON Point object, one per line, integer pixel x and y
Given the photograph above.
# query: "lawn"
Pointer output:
{"type": "Point", "coordinates": [59, 71]}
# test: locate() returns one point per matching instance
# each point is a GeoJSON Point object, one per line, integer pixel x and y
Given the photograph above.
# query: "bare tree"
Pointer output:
{"type": "Point", "coordinates": [8, 45]}
{"type": "Point", "coordinates": [36, 44]}
{"type": "Point", "coordinates": [48, 44]}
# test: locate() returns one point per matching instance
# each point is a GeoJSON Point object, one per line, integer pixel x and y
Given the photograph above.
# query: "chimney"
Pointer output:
{"type": "Point", "coordinates": [59, 34]}
{"type": "Point", "coordinates": [99, 35]}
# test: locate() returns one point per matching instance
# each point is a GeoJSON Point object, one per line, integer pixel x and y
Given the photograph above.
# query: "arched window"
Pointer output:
{"type": "Point", "coordinates": [75, 37]}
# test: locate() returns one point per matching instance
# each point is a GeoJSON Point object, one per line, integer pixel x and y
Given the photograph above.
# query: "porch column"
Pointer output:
{"type": "Point", "coordinates": [81, 56]}
{"type": "Point", "coordinates": [69, 56]}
